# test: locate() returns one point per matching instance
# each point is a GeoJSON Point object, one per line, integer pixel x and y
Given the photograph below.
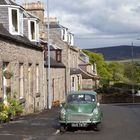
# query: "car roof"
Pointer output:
{"type": "Point", "coordinates": [83, 92]}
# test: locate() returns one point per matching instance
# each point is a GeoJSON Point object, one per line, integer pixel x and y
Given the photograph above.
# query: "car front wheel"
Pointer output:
{"type": "Point", "coordinates": [63, 128]}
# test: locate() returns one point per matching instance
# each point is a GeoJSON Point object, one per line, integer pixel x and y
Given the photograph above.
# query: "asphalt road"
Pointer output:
{"type": "Point", "coordinates": [121, 122]}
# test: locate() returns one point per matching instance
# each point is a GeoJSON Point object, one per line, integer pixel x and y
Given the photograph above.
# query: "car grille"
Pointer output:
{"type": "Point", "coordinates": [78, 117]}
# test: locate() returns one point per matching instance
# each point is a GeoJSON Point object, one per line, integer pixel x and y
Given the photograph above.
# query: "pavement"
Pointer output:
{"type": "Point", "coordinates": [31, 127]}
{"type": "Point", "coordinates": [121, 122]}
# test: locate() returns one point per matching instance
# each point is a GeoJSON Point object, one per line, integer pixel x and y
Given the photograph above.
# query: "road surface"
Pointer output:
{"type": "Point", "coordinates": [121, 122]}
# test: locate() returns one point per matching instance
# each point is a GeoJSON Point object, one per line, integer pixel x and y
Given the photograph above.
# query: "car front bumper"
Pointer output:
{"type": "Point", "coordinates": [80, 119]}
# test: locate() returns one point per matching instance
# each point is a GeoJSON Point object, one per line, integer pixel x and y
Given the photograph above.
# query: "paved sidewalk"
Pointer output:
{"type": "Point", "coordinates": [32, 127]}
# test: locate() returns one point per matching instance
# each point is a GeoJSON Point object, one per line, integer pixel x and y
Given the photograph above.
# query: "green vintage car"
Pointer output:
{"type": "Point", "coordinates": [81, 109]}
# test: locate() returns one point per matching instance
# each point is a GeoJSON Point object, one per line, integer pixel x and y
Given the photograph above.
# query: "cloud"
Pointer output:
{"type": "Point", "coordinates": [98, 18]}
{"type": "Point", "coordinates": [107, 16]}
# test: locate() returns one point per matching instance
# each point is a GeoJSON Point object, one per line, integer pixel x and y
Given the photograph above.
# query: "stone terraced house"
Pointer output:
{"type": "Point", "coordinates": [69, 68]}
{"type": "Point", "coordinates": [59, 37]}
{"type": "Point", "coordinates": [21, 56]}
{"type": "Point", "coordinates": [80, 74]}
{"type": "Point", "coordinates": [57, 64]}
{"type": "Point", "coordinates": [83, 74]}
{"type": "Point", "coordinates": [90, 78]}
{"type": "Point", "coordinates": [24, 53]}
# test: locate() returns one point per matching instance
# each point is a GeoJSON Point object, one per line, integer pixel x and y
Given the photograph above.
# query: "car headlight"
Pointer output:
{"type": "Point", "coordinates": [62, 113]}
{"type": "Point", "coordinates": [95, 111]}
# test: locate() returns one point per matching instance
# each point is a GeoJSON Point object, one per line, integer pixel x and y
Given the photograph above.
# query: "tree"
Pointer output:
{"type": "Point", "coordinates": [137, 74]}
{"type": "Point", "coordinates": [102, 68]}
{"type": "Point", "coordinates": [117, 71]}
{"type": "Point", "coordinates": [128, 72]}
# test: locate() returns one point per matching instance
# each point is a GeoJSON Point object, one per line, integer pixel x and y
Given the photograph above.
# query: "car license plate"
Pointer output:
{"type": "Point", "coordinates": [78, 124]}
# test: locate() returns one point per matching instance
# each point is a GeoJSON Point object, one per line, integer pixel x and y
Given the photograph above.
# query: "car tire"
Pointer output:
{"type": "Point", "coordinates": [98, 127]}
{"type": "Point", "coordinates": [63, 128]}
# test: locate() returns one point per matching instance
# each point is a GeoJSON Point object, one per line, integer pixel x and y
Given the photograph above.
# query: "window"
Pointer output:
{"type": "Point", "coordinates": [37, 78]}
{"type": "Point", "coordinates": [6, 82]}
{"type": "Point", "coordinates": [81, 98]}
{"type": "Point", "coordinates": [64, 34]}
{"type": "Point", "coordinates": [30, 83]}
{"type": "Point", "coordinates": [33, 30]}
{"type": "Point", "coordinates": [71, 40]}
{"type": "Point", "coordinates": [78, 80]}
{"type": "Point", "coordinates": [21, 22]}
{"type": "Point", "coordinates": [58, 56]}
{"type": "Point", "coordinates": [72, 82]}
{"type": "Point", "coordinates": [21, 78]}
{"type": "Point", "coordinates": [15, 21]}
{"type": "Point", "coordinates": [30, 79]}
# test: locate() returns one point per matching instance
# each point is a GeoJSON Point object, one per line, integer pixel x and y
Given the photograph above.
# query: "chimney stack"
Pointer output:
{"type": "Point", "coordinates": [36, 8]}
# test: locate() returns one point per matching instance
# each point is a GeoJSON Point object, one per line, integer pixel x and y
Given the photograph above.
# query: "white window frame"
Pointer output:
{"type": "Point", "coordinates": [68, 38]}
{"type": "Point", "coordinates": [62, 33]}
{"type": "Point", "coordinates": [10, 21]}
{"type": "Point", "coordinates": [36, 30]}
{"type": "Point", "coordinates": [21, 23]}
{"type": "Point", "coordinates": [66, 35]}
{"type": "Point", "coordinates": [71, 40]}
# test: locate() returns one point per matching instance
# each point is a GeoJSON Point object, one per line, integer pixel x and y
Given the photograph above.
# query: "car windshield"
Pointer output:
{"type": "Point", "coordinates": [81, 98]}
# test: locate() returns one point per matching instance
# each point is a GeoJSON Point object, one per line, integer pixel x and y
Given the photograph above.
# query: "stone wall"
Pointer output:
{"type": "Point", "coordinates": [87, 84]}
{"type": "Point", "coordinates": [73, 55]}
{"type": "Point", "coordinates": [57, 89]}
{"type": "Point", "coordinates": [16, 54]}
{"type": "Point", "coordinates": [115, 98]}
{"type": "Point", "coordinates": [56, 39]}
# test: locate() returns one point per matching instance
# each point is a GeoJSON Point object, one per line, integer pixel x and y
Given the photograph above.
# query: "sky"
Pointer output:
{"type": "Point", "coordinates": [98, 23]}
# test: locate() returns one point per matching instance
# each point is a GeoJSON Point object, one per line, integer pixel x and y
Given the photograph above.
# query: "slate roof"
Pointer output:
{"type": "Point", "coordinates": [54, 25]}
{"type": "Point", "coordinates": [74, 71]}
{"type": "Point", "coordinates": [4, 33]}
{"type": "Point", "coordinates": [87, 75]}
{"type": "Point", "coordinates": [8, 2]}
{"type": "Point", "coordinates": [53, 47]}
{"type": "Point", "coordinates": [54, 64]}
{"type": "Point", "coordinates": [84, 64]}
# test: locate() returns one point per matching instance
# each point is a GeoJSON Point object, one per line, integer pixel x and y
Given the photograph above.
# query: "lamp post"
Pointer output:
{"type": "Point", "coordinates": [132, 56]}
{"type": "Point", "coordinates": [49, 74]}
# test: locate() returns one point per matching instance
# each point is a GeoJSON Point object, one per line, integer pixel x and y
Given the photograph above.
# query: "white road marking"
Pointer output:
{"type": "Point", "coordinates": [57, 131]}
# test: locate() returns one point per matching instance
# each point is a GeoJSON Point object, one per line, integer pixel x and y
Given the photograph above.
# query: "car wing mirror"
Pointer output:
{"type": "Point", "coordinates": [98, 104]}
{"type": "Point", "coordinates": [62, 104]}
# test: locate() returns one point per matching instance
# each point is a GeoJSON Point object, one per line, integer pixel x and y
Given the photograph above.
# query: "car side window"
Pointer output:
{"type": "Point", "coordinates": [69, 99]}
{"type": "Point", "coordinates": [89, 98]}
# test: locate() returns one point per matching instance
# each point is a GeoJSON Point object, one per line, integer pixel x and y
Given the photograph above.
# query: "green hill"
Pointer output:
{"type": "Point", "coordinates": [117, 53]}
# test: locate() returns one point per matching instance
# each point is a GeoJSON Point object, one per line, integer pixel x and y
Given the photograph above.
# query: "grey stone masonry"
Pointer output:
{"type": "Point", "coordinates": [16, 54]}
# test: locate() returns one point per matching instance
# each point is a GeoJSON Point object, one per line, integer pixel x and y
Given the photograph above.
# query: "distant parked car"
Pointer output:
{"type": "Point", "coordinates": [81, 109]}
{"type": "Point", "coordinates": [138, 93]}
